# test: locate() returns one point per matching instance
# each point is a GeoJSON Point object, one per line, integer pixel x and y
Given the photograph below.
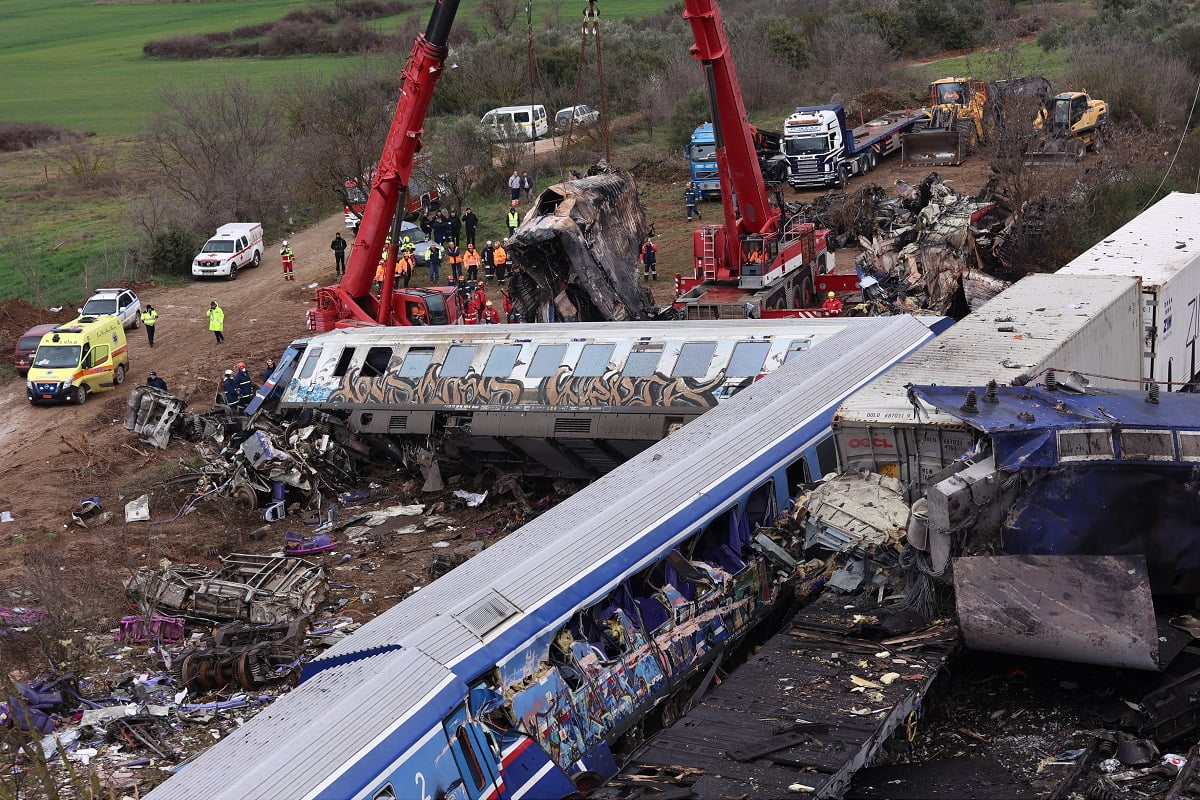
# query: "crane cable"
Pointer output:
{"type": "Point", "coordinates": [591, 19]}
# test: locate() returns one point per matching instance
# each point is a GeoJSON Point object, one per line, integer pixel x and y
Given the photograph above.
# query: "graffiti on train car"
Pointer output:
{"type": "Point", "coordinates": [562, 389]}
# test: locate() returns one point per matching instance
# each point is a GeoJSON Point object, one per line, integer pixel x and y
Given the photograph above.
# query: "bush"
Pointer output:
{"type": "Point", "coordinates": [1137, 79]}
{"type": "Point", "coordinates": [690, 110]}
{"type": "Point", "coordinates": [23, 135]}
{"type": "Point", "coordinates": [171, 252]}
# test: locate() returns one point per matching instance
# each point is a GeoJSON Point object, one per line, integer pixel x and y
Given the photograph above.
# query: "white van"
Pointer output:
{"type": "Point", "coordinates": [514, 122]}
{"type": "Point", "coordinates": [233, 246]}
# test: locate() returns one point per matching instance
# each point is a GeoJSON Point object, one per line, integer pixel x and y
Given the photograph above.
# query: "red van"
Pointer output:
{"type": "Point", "coordinates": [27, 344]}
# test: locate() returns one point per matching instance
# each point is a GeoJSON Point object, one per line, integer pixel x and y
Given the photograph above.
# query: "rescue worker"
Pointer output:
{"type": "Point", "coordinates": [471, 261]}
{"type": "Point", "coordinates": [514, 219]}
{"type": "Point", "coordinates": [408, 248]}
{"type": "Point", "coordinates": [433, 260]}
{"type": "Point", "coordinates": [480, 297]}
{"type": "Point", "coordinates": [380, 269]}
{"type": "Point", "coordinates": [156, 382]}
{"type": "Point", "coordinates": [404, 268]}
{"type": "Point", "coordinates": [500, 258]}
{"type": "Point", "coordinates": [287, 259]}
{"type": "Point", "coordinates": [268, 370]}
{"type": "Point", "coordinates": [832, 305]}
{"type": "Point", "coordinates": [229, 389]}
{"type": "Point", "coordinates": [490, 315]}
{"type": "Point", "coordinates": [488, 258]}
{"type": "Point", "coordinates": [216, 321]}
{"type": "Point", "coordinates": [510, 309]}
{"type": "Point", "coordinates": [338, 246]}
{"type": "Point", "coordinates": [245, 386]}
{"type": "Point", "coordinates": [691, 199]}
{"type": "Point", "coordinates": [418, 316]}
{"type": "Point", "coordinates": [454, 260]}
{"type": "Point", "coordinates": [149, 319]}
{"type": "Point", "coordinates": [649, 261]}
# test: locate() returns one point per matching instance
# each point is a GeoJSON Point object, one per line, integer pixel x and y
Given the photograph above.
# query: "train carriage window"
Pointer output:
{"type": "Point", "coordinates": [826, 456]}
{"type": "Point", "coordinates": [797, 347]}
{"type": "Point", "coordinates": [546, 360]}
{"type": "Point", "coordinates": [376, 362]}
{"type": "Point", "coordinates": [469, 757]}
{"type": "Point", "coordinates": [798, 473]}
{"type": "Point", "coordinates": [343, 363]}
{"type": "Point", "coordinates": [642, 363]}
{"type": "Point", "coordinates": [458, 361]}
{"type": "Point", "coordinates": [694, 360]}
{"type": "Point", "coordinates": [593, 361]}
{"type": "Point", "coordinates": [416, 361]}
{"type": "Point", "coordinates": [310, 362]}
{"type": "Point", "coordinates": [747, 358]}
{"type": "Point", "coordinates": [501, 361]}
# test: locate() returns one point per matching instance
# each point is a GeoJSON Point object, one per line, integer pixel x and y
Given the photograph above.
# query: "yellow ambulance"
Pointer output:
{"type": "Point", "coordinates": [87, 354]}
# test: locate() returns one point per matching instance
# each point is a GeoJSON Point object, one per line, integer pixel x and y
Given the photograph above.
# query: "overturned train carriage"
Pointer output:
{"type": "Point", "coordinates": [525, 671]}
{"type": "Point", "coordinates": [569, 401]}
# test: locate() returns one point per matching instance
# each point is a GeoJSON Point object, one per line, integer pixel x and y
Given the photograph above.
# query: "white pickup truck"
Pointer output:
{"type": "Point", "coordinates": [233, 246]}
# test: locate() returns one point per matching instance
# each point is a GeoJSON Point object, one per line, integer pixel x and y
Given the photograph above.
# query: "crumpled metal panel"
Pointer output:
{"type": "Point", "coordinates": [856, 509]}
{"type": "Point", "coordinates": [1089, 609]}
{"type": "Point", "coordinates": [577, 250]}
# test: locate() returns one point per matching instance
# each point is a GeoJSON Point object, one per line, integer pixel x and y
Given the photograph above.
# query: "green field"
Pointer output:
{"type": "Point", "coordinates": [1028, 59]}
{"type": "Point", "coordinates": [79, 63]}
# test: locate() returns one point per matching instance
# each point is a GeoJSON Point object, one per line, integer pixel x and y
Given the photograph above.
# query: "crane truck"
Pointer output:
{"type": "Point", "coordinates": [350, 302]}
{"type": "Point", "coordinates": [762, 260]}
{"type": "Point", "coordinates": [823, 150]}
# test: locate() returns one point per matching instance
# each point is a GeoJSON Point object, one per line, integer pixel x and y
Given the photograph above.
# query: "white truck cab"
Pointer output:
{"type": "Point", "coordinates": [233, 246]}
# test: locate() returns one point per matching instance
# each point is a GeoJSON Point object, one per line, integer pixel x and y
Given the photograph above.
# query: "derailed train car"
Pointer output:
{"type": "Point", "coordinates": [525, 671]}
{"type": "Point", "coordinates": [575, 401]}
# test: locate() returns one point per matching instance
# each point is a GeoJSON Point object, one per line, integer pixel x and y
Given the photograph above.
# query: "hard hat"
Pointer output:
{"type": "Point", "coordinates": [285, 242]}
{"type": "Point", "coordinates": [153, 374]}
{"type": "Point", "coordinates": [228, 373]}
{"type": "Point", "coordinates": [831, 294]}
{"type": "Point", "coordinates": [489, 302]}
{"type": "Point", "coordinates": [407, 240]}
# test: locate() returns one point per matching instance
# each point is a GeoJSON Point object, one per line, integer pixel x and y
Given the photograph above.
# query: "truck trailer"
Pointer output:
{"type": "Point", "coordinates": [1160, 246]}
{"type": "Point", "coordinates": [823, 150]}
{"type": "Point", "coordinates": [1068, 323]}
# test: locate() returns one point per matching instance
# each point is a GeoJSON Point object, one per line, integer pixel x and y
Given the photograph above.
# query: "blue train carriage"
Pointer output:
{"type": "Point", "coordinates": [577, 400]}
{"type": "Point", "coordinates": [528, 670]}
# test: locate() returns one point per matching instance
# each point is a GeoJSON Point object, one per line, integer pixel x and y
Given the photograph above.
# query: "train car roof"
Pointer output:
{"type": "Point", "coordinates": [466, 621]}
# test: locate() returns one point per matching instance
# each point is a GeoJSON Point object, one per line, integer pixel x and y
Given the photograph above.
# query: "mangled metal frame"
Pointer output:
{"type": "Point", "coordinates": [575, 255]}
{"type": "Point", "coordinates": [251, 588]}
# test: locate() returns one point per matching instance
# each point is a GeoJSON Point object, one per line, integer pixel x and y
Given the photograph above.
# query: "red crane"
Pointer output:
{"type": "Point", "coordinates": [350, 302]}
{"type": "Point", "coordinates": [759, 262]}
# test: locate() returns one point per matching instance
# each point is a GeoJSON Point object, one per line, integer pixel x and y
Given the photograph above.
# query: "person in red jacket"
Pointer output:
{"type": "Point", "coordinates": [832, 305]}
{"type": "Point", "coordinates": [510, 309]}
{"type": "Point", "coordinates": [490, 315]}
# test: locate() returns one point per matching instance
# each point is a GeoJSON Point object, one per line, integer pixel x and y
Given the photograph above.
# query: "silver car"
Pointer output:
{"type": "Point", "coordinates": [121, 303]}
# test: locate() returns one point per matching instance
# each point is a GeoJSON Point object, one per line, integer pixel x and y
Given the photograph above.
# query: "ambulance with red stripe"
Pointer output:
{"type": "Point", "coordinates": [87, 354]}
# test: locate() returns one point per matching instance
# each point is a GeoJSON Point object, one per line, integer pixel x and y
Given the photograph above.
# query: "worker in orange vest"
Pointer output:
{"type": "Point", "coordinates": [454, 260]}
{"type": "Point", "coordinates": [471, 260]}
{"type": "Point", "coordinates": [500, 259]}
{"type": "Point", "coordinates": [832, 305]}
{"type": "Point", "coordinates": [404, 268]}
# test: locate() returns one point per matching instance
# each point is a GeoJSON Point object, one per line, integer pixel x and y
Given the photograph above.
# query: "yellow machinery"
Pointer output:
{"type": "Point", "coordinates": [960, 115]}
{"type": "Point", "coordinates": [1071, 124]}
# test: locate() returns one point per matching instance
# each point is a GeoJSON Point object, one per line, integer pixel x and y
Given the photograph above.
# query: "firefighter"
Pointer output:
{"type": "Point", "coordinates": [471, 260]}
{"type": "Point", "coordinates": [153, 381]}
{"type": "Point", "coordinates": [510, 309]}
{"type": "Point", "coordinates": [649, 261]}
{"type": "Point", "coordinates": [500, 259]}
{"type": "Point", "coordinates": [229, 389]}
{"type": "Point", "coordinates": [490, 315]}
{"type": "Point", "coordinates": [488, 259]}
{"type": "Point", "coordinates": [691, 199]}
{"type": "Point", "coordinates": [245, 386]}
{"type": "Point", "coordinates": [832, 305]}
{"type": "Point", "coordinates": [288, 259]}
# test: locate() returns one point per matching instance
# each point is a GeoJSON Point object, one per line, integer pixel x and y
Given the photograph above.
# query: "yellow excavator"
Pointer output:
{"type": "Point", "coordinates": [1071, 124]}
{"type": "Point", "coordinates": [960, 116]}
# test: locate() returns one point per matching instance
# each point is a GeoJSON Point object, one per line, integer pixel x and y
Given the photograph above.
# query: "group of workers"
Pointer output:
{"type": "Point", "coordinates": [237, 389]}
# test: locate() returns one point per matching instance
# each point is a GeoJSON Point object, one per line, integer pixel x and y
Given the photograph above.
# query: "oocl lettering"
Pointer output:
{"type": "Point", "coordinates": [867, 441]}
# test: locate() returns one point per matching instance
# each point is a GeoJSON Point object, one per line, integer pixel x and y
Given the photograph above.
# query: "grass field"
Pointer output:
{"type": "Point", "coordinates": [79, 63]}
{"type": "Point", "coordinates": [1028, 59]}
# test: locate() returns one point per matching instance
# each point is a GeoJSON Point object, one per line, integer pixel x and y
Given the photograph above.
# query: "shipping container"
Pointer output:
{"type": "Point", "coordinates": [1087, 324]}
{"type": "Point", "coordinates": [1161, 246]}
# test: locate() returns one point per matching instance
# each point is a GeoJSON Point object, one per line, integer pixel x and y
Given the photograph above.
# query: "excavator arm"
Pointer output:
{"type": "Point", "coordinates": [351, 298]}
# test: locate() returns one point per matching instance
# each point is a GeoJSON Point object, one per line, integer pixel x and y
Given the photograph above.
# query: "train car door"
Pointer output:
{"type": "Point", "coordinates": [477, 761]}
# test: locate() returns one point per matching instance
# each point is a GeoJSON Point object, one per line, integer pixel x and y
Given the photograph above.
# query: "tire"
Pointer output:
{"type": "Point", "coordinates": [257, 258]}
{"type": "Point", "coordinates": [872, 161]}
{"type": "Point", "coordinates": [81, 394]}
{"type": "Point", "coordinates": [119, 374]}
{"type": "Point", "coordinates": [1098, 140]}
{"type": "Point", "coordinates": [842, 177]}
{"type": "Point", "coordinates": [137, 321]}
{"type": "Point", "coordinates": [233, 271]}
{"type": "Point", "coordinates": [807, 294]}
{"type": "Point", "coordinates": [968, 136]}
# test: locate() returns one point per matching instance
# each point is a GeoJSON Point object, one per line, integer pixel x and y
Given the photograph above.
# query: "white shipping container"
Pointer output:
{"type": "Point", "coordinates": [1087, 324]}
{"type": "Point", "coordinates": [1162, 247]}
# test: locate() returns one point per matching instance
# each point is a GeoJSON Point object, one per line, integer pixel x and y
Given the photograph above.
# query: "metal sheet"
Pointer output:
{"type": "Point", "coordinates": [1090, 609]}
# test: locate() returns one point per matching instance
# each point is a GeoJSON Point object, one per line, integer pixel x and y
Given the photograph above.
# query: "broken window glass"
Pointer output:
{"type": "Point", "coordinates": [546, 360]}
{"type": "Point", "coordinates": [416, 361]}
{"type": "Point", "coordinates": [694, 359]}
{"type": "Point", "coordinates": [642, 363]}
{"type": "Point", "coordinates": [458, 361]}
{"type": "Point", "coordinates": [377, 361]}
{"type": "Point", "coordinates": [593, 361]}
{"type": "Point", "coordinates": [748, 358]}
{"type": "Point", "coordinates": [1146, 445]}
{"type": "Point", "coordinates": [501, 361]}
{"type": "Point", "coordinates": [1085, 445]}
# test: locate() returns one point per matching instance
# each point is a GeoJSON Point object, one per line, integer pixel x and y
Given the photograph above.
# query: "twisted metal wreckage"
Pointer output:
{"type": "Point", "coordinates": [930, 248]}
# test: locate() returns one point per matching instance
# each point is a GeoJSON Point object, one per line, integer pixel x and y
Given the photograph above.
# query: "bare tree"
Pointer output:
{"type": "Point", "coordinates": [500, 15]}
{"type": "Point", "coordinates": [460, 159]}
{"type": "Point", "coordinates": [221, 151]}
